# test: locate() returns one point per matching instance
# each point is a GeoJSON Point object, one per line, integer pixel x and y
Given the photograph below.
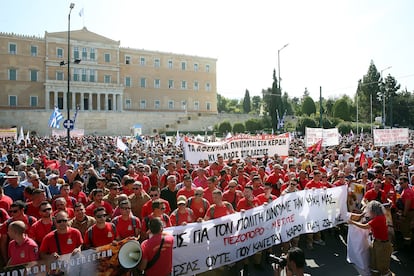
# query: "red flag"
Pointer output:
{"type": "Point", "coordinates": [363, 159]}
{"type": "Point", "coordinates": [317, 146]}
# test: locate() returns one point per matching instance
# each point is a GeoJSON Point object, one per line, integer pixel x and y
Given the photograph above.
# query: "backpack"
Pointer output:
{"type": "Point", "coordinates": [133, 221]}
{"type": "Point", "coordinates": [212, 207]}
{"type": "Point", "coordinates": [147, 219]}
{"type": "Point", "coordinates": [190, 200]}
{"type": "Point", "coordinates": [176, 213]}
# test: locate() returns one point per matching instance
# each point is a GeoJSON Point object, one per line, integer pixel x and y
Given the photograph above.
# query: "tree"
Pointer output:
{"type": "Point", "coordinates": [221, 103]}
{"type": "Point", "coordinates": [308, 106]}
{"type": "Point", "coordinates": [390, 88]}
{"type": "Point", "coordinates": [270, 97]}
{"type": "Point", "coordinates": [341, 109]}
{"type": "Point", "coordinates": [253, 125]}
{"type": "Point", "coordinates": [256, 104]}
{"type": "Point", "coordinates": [238, 128]}
{"type": "Point", "coordinates": [224, 127]}
{"type": "Point", "coordinates": [246, 102]}
{"type": "Point", "coordinates": [369, 88]}
{"type": "Point", "coordinates": [329, 107]}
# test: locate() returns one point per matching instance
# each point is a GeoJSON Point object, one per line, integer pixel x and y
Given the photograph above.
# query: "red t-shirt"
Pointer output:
{"type": "Point", "coordinates": [408, 194]}
{"type": "Point", "coordinates": [185, 192]}
{"type": "Point", "coordinates": [27, 252]}
{"type": "Point", "coordinates": [80, 197]}
{"type": "Point", "coordinates": [5, 202]}
{"type": "Point", "coordinates": [246, 205]}
{"type": "Point", "coordinates": [166, 222]}
{"type": "Point", "coordinates": [219, 211]}
{"type": "Point", "coordinates": [232, 197]}
{"type": "Point", "coordinates": [3, 216]}
{"type": "Point", "coordinates": [258, 191]}
{"type": "Point", "coordinates": [208, 194]}
{"type": "Point", "coordinates": [262, 199]}
{"type": "Point", "coordinates": [100, 236]}
{"type": "Point", "coordinates": [28, 221]}
{"type": "Point", "coordinates": [372, 195]}
{"type": "Point", "coordinates": [146, 182]}
{"type": "Point", "coordinates": [67, 241]}
{"type": "Point", "coordinates": [39, 230]}
{"type": "Point", "coordinates": [32, 210]}
{"type": "Point", "coordinates": [312, 184]}
{"type": "Point", "coordinates": [146, 209]}
{"type": "Point", "coordinates": [70, 211]}
{"type": "Point", "coordinates": [108, 208]}
{"type": "Point", "coordinates": [199, 207]}
{"type": "Point", "coordinates": [178, 218]}
{"type": "Point", "coordinates": [163, 266]}
{"type": "Point", "coordinates": [379, 228]}
{"type": "Point", "coordinates": [125, 228]}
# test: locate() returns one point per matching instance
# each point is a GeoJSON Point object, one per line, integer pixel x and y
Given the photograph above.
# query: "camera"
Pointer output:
{"type": "Point", "coordinates": [281, 261]}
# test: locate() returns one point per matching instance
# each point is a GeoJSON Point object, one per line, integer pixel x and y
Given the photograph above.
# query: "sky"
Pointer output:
{"type": "Point", "coordinates": [330, 43]}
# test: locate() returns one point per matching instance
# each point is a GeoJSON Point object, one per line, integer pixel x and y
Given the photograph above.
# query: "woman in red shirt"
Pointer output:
{"type": "Point", "coordinates": [381, 248]}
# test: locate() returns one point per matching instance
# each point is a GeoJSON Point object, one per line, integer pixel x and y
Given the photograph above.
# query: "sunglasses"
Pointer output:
{"type": "Point", "coordinates": [232, 186]}
{"type": "Point", "coordinates": [101, 216]}
{"type": "Point", "coordinates": [136, 188]}
{"type": "Point", "coordinates": [61, 220]}
{"type": "Point", "coordinates": [13, 211]}
{"type": "Point", "coordinates": [198, 194]}
{"type": "Point", "coordinates": [163, 208]}
{"type": "Point", "coordinates": [153, 195]}
{"type": "Point", "coordinates": [125, 208]}
{"type": "Point", "coordinates": [47, 209]}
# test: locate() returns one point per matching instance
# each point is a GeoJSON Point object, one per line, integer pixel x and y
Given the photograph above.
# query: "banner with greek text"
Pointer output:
{"type": "Point", "coordinates": [8, 132]}
{"type": "Point", "coordinates": [208, 245]}
{"type": "Point", "coordinates": [390, 137]}
{"type": "Point", "coordinates": [330, 137]}
{"type": "Point", "coordinates": [237, 147]}
{"type": "Point", "coordinates": [74, 133]}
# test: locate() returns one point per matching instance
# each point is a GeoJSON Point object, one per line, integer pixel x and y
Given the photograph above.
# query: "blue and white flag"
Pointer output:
{"type": "Point", "coordinates": [55, 118]}
{"type": "Point", "coordinates": [75, 115]}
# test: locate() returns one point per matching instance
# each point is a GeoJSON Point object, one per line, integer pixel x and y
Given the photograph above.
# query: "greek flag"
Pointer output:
{"type": "Point", "coordinates": [55, 118]}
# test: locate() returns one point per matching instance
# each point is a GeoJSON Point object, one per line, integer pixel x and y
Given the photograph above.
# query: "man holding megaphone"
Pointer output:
{"type": "Point", "coordinates": [157, 250]}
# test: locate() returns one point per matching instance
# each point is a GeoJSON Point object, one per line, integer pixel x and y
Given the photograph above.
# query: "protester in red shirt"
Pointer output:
{"type": "Point", "coordinates": [219, 208]}
{"type": "Point", "coordinates": [187, 190]}
{"type": "Point", "coordinates": [159, 242]}
{"type": "Point", "coordinates": [33, 207]}
{"type": "Point", "coordinates": [102, 232]}
{"type": "Point", "coordinates": [69, 240]}
{"type": "Point", "coordinates": [158, 210]}
{"type": "Point", "coordinates": [127, 225]}
{"type": "Point", "coordinates": [407, 212]}
{"type": "Point", "coordinates": [97, 195]}
{"type": "Point", "coordinates": [211, 186]}
{"type": "Point", "coordinates": [375, 193]}
{"type": "Point", "coordinates": [44, 225]}
{"type": "Point", "coordinates": [60, 204]}
{"type": "Point", "coordinates": [198, 204]}
{"type": "Point", "coordinates": [266, 196]}
{"type": "Point", "coordinates": [78, 194]}
{"type": "Point", "coordinates": [315, 182]}
{"type": "Point", "coordinates": [276, 179]}
{"type": "Point", "coordinates": [154, 193]}
{"type": "Point", "coordinates": [22, 249]}
{"type": "Point", "coordinates": [182, 215]}
{"type": "Point", "coordinates": [146, 182]}
{"type": "Point", "coordinates": [249, 201]}
{"type": "Point", "coordinates": [241, 177]}
{"type": "Point", "coordinates": [233, 194]}
{"type": "Point", "coordinates": [5, 201]}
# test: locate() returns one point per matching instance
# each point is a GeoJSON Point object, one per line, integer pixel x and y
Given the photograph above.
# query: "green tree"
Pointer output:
{"type": "Point", "coordinates": [329, 107]}
{"type": "Point", "coordinates": [252, 125]}
{"type": "Point", "coordinates": [341, 109]}
{"type": "Point", "coordinates": [238, 128]}
{"type": "Point", "coordinates": [247, 107]}
{"type": "Point", "coordinates": [224, 127]}
{"type": "Point", "coordinates": [305, 122]}
{"type": "Point", "coordinates": [390, 88]}
{"type": "Point", "coordinates": [221, 103]}
{"type": "Point", "coordinates": [256, 104]}
{"type": "Point", "coordinates": [271, 97]}
{"type": "Point", "coordinates": [308, 106]}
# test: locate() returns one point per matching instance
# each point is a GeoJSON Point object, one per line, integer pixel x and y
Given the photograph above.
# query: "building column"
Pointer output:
{"type": "Point", "coordinates": [90, 101]}
{"type": "Point", "coordinates": [47, 100]}
{"type": "Point", "coordinates": [121, 102]}
{"type": "Point", "coordinates": [106, 102]}
{"type": "Point", "coordinates": [98, 101]}
{"type": "Point", "coordinates": [73, 100]}
{"type": "Point", "coordinates": [55, 100]}
{"type": "Point", "coordinates": [82, 107]}
{"type": "Point", "coordinates": [114, 105]}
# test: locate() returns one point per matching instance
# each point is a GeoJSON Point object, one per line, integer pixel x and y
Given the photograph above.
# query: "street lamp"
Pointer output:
{"type": "Point", "coordinates": [278, 64]}
{"type": "Point", "coordinates": [383, 99]}
{"type": "Point", "coordinates": [72, 5]}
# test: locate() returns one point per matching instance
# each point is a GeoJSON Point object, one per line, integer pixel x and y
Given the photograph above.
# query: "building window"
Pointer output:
{"type": "Point", "coordinates": [76, 52]}
{"type": "Point", "coordinates": [143, 104]}
{"type": "Point", "coordinates": [196, 87]}
{"type": "Point", "coordinates": [92, 75]}
{"type": "Point", "coordinates": [59, 52]}
{"type": "Point", "coordinates": [143, 82]}
{"type": "Point", "coordinates": [84, 54]}
{"type": "Point", "coordinates": [157, 83]}
{"type": "Point", "coordinates": [157, 104]}
{"type": "Point", "coordinates": [208, 87]}
{"type": "Point", "coordinates": [170, 64]}
{"type": "Point", "coordinates": [59, 76]}
{"type": "Point", "coordinates": [128, 103]}
{"type": "Point", "coordinates": [33, 50]}
{"type": "Point", "coordinates": [183, 84]}
{"type": "Point", "coordinates": [33, 101]}
{"type": "Point", "coordinates": [171, 84]}
{"type": "Point", "coordinates": [183, 65]}
{"type": "Point", "coordinates": [142, 61]}
{"type": "Point", "coordinates": [107, 57]}
{"type": "Point", "coordinates": [128, 81]}
{"type": "Point", "coordinates": [127, 60]}
{"type": "Point", "coordinates": [12, 74]}
{"type": "Point", "coordinates": [208, 106]}
{"type": "Point", "coordinates": [107, 79]}
{"type": "Point", "coordinates": [184, 105]}
{"type": "Point", "coordinates": [92, 54]}
{"type": "Point", "coordinates": [195, 67]}
{"type": "Point", "coordinates": [196, 105]}
{"type": "Point", "coordinates": [12, 100]}
{"type": "Point", "coordinates": [207, 68]}
{"type": "Point", "coordinates": [84, 74]}
{"type": "Point", "coordinates": [12, 48]}
{"type": "Point", "coordinates": [33, 75]}
{"type": "Point", "coordinates": [75, 74]}
{"type": "Point", "coordinates": [170, 104]}
{"type": "Point", "coordinates": [157, 63]}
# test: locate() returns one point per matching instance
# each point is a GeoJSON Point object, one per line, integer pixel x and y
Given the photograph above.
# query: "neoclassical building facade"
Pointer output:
{"type": "Point", "coordinates": [104, 77]}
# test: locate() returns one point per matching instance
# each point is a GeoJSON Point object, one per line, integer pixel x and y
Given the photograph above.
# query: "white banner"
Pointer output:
{"type": "Point", "coordinates": [390, 137]}
{"type": "Point", "coordinates": [73, 133]}
{"type": "Point", "coordinates": [237, 147]}
{"type": "Point", "coordinates": [208, 245]}
{"type": "Point", "coordinates": [330, 137]}
{"type": "Point", "coordinates": [8, 132]}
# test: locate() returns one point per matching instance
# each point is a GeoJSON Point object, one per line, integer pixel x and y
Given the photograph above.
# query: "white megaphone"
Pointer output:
{"type": "Point", "coordinates": [130, 254]}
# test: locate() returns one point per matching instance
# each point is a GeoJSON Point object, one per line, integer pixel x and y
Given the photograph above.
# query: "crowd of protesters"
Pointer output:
{"type": "Point", "coordinates": [55, 200]}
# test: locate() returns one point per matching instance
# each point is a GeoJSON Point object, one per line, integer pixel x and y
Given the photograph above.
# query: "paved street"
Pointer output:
{"type": "Point", "coordinates": [331, 260]}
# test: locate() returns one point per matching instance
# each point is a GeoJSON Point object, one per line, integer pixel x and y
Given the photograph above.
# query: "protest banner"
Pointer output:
{"type": "Point", "coordinates": [208, 245]}
{"type": "Point", "coordinates": [330, 137]}
{"type": "Point", "coordinates": [237, 147]}
{"type": "Point", "coordinates": [8, 132]}
{"type": "Point", "coordinates": [75, 133]}
{"type": "Point", "coordinates": [391, 137]}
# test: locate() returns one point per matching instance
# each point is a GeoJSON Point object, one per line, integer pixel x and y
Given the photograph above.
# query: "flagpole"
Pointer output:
{"type": "Point", "coordinates": [72, 5]}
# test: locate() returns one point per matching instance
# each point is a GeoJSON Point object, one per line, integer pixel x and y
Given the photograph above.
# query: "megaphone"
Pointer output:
{"type": "Point", "coordinates": [130, 254]}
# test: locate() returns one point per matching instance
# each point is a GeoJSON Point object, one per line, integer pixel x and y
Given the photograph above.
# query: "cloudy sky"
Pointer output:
{"type": "Point", "coordinates": [330, 43]}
